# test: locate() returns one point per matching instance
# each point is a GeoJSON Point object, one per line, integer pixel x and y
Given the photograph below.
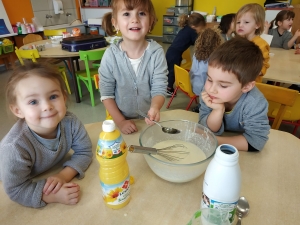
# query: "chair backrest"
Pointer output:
{"type": "Point", "coordinates": [87, 56]}
{"type": "Point", "coordinates": [186, 62]}
{"type": "Point", "coordinates": [292, 113]}
{"type": "Point", "coordinates": [285, 97]}
{"type": "Point", "coordinates": [32, 54]}
{"type": "Point", "coordinates": [59, 32]}
{"type": "Point", "coordinates": [31, 38]}
{"type": "Point", "coordinates": [183, 81]}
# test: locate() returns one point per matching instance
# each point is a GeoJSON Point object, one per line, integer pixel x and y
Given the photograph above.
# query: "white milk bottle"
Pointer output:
{"type": "Point", "coordinates": [222, 181]}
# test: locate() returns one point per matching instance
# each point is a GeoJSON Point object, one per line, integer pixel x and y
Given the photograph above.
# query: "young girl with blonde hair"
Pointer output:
{"type": "Point", "coordinates": [133, 72]}
{"type": "Point", "coordinates": [42, 136]}
{"type": "Point", "coordinates": [250, 20]}
{"type": "Point", "coordinates": [191, 27]}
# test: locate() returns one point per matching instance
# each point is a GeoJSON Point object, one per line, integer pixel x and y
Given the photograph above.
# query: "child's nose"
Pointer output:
{"type": "Point", "coordinates": [47, 105]}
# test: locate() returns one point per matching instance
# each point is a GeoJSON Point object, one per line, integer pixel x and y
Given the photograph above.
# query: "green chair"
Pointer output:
{"type": "Point", "coordinates": [87, 75]}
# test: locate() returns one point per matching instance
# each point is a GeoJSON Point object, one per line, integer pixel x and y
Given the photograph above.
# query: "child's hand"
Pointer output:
{"type": "Point", "coordinates": [68, 194]}
{"type": "Point", "coordinates": [153, 114]}
{"type": "Point", "coordinates": [209, 102]}
{"type": "Point", "coordinates": [297, 33]}
{"type": "Point", "coordinates": [53, 184]}
{"type": "Point", "coordinates": [267, 25]}
{"type": "Point", "coordinates": [127, 127]}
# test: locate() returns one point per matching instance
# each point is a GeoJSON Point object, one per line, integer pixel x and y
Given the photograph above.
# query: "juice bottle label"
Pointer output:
{"type": "Point", "coordinates": [116, 194]}
{"type": "Point", "coordinates": [228, 207]}
{"type": "Point", "coordinates": [111, 149]}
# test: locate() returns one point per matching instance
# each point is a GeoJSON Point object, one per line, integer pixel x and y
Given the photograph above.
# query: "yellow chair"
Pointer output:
{"type": "Point", "coordinates": [34, 55]}
{"type": "Point", "coordinates": [31, 38]}
{"type": "Point", "coordinates": [183, 83]}
{"type": "Point", "coordinates": [186, 62]}
{"type": "Point", "coordinates": [291, 115]}
{"type": "Point", "coordinates": [87, 75]}
{"type": "Point", "coordinates": [283, 96]}
{"type": "Point", "coordinates": [50, 33]}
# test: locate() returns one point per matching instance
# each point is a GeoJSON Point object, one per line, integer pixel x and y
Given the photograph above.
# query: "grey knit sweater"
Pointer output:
{"type": "Point", "coordinates": [22, 157]}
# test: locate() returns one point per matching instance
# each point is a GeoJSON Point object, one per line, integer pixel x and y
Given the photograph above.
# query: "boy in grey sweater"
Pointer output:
{"type": "Point", "coordinates": [230, 101]}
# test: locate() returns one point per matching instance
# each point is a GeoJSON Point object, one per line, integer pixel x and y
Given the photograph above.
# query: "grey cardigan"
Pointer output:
{"type": "Point", "coordinates": [132, 92]}
{"type": "Point", "coordinates": [249, 116]}
{"type": "Point", "coordinates": [280, 41]}
{"type": "Point", "coordinates": [23, 157]}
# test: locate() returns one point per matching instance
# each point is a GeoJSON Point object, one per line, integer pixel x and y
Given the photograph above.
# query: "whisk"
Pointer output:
{"type": "Point", "coordinates": [167, 152]}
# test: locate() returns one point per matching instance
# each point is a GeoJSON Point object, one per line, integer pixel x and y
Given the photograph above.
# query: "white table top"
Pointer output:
{"type": "Point", "coordinates": [270, 181]}
{"type": "Point", "coordinates": [284, 66]}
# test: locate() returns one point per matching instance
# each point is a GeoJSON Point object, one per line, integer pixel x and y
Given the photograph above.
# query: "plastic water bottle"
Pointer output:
{"type": "Point", "coordinates": [114, 175]}
{"type": "Point", "coordinates": [222, 181]}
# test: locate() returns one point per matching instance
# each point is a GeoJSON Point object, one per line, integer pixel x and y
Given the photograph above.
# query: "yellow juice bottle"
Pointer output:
{"type": "Point", "coordinates": [114, 175]}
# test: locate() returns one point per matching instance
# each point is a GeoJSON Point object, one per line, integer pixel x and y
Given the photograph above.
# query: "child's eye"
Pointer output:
{"type": "Point", "coordinates": [53, 97]}
{"type": "Point", "coordinates": [33, 102]}
{"type": "Point", "coordinates": [223, 86]}
{"type": "Point", "coordinates": [126, 14]}
{"type": "Point", "coordinates": [209, 80]}
{"type": "Point", "coordinates": [142, 14]}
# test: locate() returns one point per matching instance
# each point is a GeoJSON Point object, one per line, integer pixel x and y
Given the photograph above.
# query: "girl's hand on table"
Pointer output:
{"type": "Point", "coordinates": [297, 51]}
{"type": "Point", "coordinates": [68, 194]}
{"type": "Point", "coordinates": [53, 184]}
{"type": "Point", "coordinates": [127, 127]}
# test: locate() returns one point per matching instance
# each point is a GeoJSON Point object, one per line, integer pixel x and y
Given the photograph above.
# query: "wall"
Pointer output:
{"type": "Point", "coordinates": [17, 10]}
{"type": "Point", "coordinates": [41, 8]}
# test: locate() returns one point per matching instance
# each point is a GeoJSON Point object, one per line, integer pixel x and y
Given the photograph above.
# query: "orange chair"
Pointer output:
{"type": "Point", "coordinates": [183, 83]}
{"type": "Point", "coordinates": [186, 62]}
{"type": "Point", "coordinates": [291, 115]}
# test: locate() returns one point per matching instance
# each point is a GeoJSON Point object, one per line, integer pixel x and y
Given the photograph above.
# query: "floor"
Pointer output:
{"type": "Point", "coordinates": [85, 112]}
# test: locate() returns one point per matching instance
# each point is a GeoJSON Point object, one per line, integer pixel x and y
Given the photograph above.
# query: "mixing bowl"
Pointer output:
{"type": "Point", "coordinates": [191, 132]}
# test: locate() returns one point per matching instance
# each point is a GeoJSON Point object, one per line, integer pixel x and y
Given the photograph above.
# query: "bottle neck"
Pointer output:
{"type": "Point", "coordinates": [227, 155]}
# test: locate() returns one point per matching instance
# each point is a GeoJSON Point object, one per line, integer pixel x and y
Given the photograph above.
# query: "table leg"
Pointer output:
{"type": "Point", "coordinates": [70, 60]}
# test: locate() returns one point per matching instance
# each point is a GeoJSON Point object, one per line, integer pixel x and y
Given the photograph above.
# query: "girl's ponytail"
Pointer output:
{"type": "Point", "coordinates": [183, 20]}
{"type": "Point", "coordinates": [107, 24]}
{"type": "Point", "coordinates": [272, 24]}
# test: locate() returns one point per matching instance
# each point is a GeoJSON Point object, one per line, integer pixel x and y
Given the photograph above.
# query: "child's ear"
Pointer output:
{"type": "Point", "coordinates": [16, 111]}
{"type": "Point", "coordinates": [248, 87]}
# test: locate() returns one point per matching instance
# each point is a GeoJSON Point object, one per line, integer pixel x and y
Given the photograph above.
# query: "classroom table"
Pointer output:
{"type": "Point", "coordinates": [55, 51]}
{"type": "Point", "coordinates": [284, 66]}
{"type": "Point", "coordinates": [270, 182]}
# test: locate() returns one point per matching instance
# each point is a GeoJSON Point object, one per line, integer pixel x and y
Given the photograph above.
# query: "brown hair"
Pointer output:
{"type": "Point", "coordinates": [281, 16]}
{"type": "Point", "coordinates": [195, 19]}
{"type": "Point", "coordinates": [145, 5]}
{"type": "Point", "coordinates": [29, 69]}
{"type": "Point", "coordinates": [258, 15]}
{"type": "Point", "coordinates": [233, 57]}
{"type": "Point", "coordinates": [208, 40]}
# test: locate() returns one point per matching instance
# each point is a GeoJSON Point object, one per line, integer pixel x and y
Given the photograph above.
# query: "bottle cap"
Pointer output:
{"type": "Point", "coordinates": [108, 126]}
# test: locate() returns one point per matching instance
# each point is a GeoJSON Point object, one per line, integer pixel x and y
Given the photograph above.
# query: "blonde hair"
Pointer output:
{"type": "Point", "coordinates": [258, 13]}
{"type": "Point", "coordinates": [29, 69]}
{"type": "Point", "coordinates": [145, 5]}
{"type": "Point", "coordinates": [208, 40]}
{"type": "Point", "coordinates": [195, 19]}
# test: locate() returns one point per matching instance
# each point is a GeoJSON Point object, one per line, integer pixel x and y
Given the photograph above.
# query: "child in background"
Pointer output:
{"type": "Point", "coordinates": [230, 101]}
{"type": "Point", "coordinates": [205, 44]}
{"type": "Point", "coordinates": [227, 26]}
{"type": "Point", "coordinates": [133, 72]}
{"type": "Point", "coordinates": [250, 22]}
{"type": "Point", "coordinates": [191, 27]}
{"type": "Point", "coordinates": [282, 37]}
{"type": "Point", "coordinates": [43, 135]}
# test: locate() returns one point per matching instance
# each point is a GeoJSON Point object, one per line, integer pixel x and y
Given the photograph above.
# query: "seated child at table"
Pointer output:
{"type": "Point", "coordinates": [42, 136]}
{"type": "Point", "coordinates": [133, 72]}
{"type": "Point", "coordinates": [206, 43]}
{"type": "Point", "coordinates": [250, 20]}
{"type": "Point", "coordinates": [230, 101]}
{"type": "Point", "coordinates": [282, 37]}
{"type": "Point", "coordinates": [191, 27]}
{"type": "Point", "coordinates": [227, 26]}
